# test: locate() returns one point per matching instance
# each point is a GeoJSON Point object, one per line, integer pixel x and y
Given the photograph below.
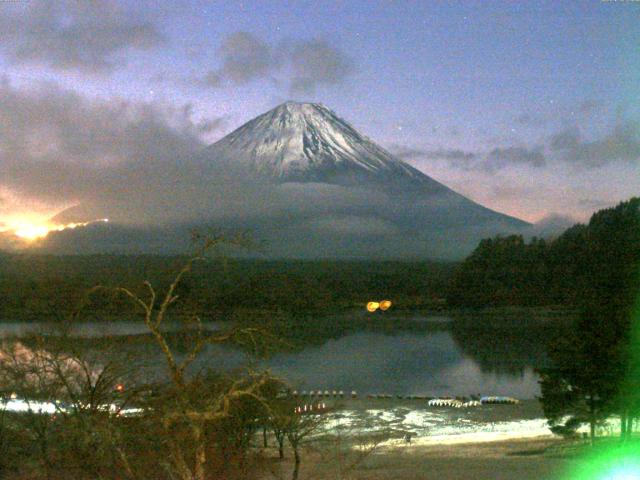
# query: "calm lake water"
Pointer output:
{"type": "Point", "coordinates": [450, 360]}
{"type": "Point", "coordinates": [406, 364]}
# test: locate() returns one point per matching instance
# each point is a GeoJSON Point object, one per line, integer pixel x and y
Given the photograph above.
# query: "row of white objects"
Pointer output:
{"type": "Point", "coordinates": [321, 393]}
{"type": "Point", "coordinates": [310, 408]}
{"type": "Point", "coordinates": [450, 402]}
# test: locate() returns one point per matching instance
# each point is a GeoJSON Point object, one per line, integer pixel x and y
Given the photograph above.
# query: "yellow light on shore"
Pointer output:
{"type": "Point", "coordinates": [373, 306]}
{"type": "Point", "coordinates": [385, 305]}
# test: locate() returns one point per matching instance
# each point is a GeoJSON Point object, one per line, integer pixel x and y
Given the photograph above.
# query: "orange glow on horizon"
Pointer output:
{"type": "Point", "coordinates": [33, 229]}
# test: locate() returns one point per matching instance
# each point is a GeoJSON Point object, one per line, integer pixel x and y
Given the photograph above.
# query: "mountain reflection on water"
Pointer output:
{"type": "Point", "coordinates": [430, 363]}
{"type": "Point", "coordinates": [506, 350]}
{"type": "Point", "coordinates": [438, 358]}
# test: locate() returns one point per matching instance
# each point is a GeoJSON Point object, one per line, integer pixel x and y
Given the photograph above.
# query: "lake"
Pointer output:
{"type": "Point", "coordinates": [452, 359]}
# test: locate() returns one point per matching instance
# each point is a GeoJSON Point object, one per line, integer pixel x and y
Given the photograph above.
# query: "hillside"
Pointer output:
{"type": "Point", "coordinates": [604, 254]}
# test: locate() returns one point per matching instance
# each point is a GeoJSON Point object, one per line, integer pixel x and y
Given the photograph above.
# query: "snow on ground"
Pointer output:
{"type": "Point", "coordinates": [436, 424]}
{"type": "Point", "coordinates": [20, 405]}
{"type": "Point", "coordinates": [444, 426]}
{"type": "Point", "coordinates": [425, 425]}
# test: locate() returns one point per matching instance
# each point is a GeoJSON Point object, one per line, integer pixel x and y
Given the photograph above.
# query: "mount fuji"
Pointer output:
{"type": "Point", "coordinates": [307, 142]}
{"type": "Point", "coordinates": [311, 186]}
{"type": "Point", "coordinates": [307, 147]}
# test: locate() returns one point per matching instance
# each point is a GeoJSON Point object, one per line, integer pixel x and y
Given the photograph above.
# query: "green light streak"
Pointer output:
{"type": "Point", "coordinates": [620, 462]}
{"type": "Point", "coordinates": [614, 459]}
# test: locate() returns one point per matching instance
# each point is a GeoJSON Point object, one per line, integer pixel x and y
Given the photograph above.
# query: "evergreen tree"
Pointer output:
{"type": "Point", "coordinates": [595, 370]}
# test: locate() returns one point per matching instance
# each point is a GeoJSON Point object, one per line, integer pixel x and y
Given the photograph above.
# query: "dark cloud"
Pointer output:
{"type": "Point", "coordinates": [244, 58]}
{"type": "Point", "coordinates": [303, 64]}
{"type": "Point", "coordinates": [621, 144]}
{"type": "Point", "coordinates": [454, 156]}
{"type": "Point", "coordinates": [568, 138]}
{"type": "Point", "coordinates": [530, 119]}
{"type": "Point", "coordinates": [213, 79]}
{"type": "Point", "coordinates": [510, 156]}
{"type": "Point", "coordinates": [60, 148]}
{"type": "Point", "coordinates": [212, 124]}
{"type": "Point", "coordinates": [72, 34]}
{"type": "Point", "coordinates": [206, 125]}
{"type": "Point", "coordinates": [316, 63]}
{"type": "Point", "coordinates": [496, 159]}
{"type": "Point", "coordinates": [507, 191]}
{"type": "Point", "coordinates": [594, 203]}
{"type": "Point", "coordinates": [405, 152]}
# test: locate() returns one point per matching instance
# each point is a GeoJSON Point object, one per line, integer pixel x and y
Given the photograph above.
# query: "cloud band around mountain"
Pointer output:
{"type": "Point", "coordinates": [568, 146]}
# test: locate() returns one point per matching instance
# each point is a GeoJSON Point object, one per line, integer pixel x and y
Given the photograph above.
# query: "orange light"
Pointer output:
{"type": "Point", "coordinates": [32, 228]}
{"type": "Point", "coordinates": [385, 305]}
{"type": "Point", "coordinates": [373, 306]}
{"type": "Point", "coordinates": [119, 388]}
{"type": "Point", "coordinates": [31, 232]}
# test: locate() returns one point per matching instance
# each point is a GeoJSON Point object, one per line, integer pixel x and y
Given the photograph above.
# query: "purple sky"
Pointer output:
{"type": "Point", "coordinates": [530, 108]}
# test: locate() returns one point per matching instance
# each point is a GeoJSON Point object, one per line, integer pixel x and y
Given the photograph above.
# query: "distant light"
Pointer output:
{"type": "Point", "coordinates": [119, 388]}
{"type": "Point", "coordinates": [31, 232]}
{"type": "Point", "coordinates": [32, 229]}
{"type": "Point", "coordinates": [383, 305]}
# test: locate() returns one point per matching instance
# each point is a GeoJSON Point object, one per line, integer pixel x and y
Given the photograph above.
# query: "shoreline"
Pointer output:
{"type": "Point", "coordinates": [522, 459]}
{"type": "Point", "coordinates": [468, 439]}
{"type": "Point", "coordinates": [525, 446]}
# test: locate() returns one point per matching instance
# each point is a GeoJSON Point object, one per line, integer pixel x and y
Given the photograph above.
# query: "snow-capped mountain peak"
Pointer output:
{"type": "Point", "coordinates": [308, 142]}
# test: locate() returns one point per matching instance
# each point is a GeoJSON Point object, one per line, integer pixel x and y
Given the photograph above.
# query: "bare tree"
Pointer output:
{"type": "Point", "coordinates": [186, 419]}
{"type": "Point", "coordinates": [69, 405]}
{"type": "Point", "coordinates": [5, 439]}
{"type": "Point", "coordinates": [344, 450]}
{"type": "Point", "coordinates": [279, 420]}
{"type": "Point", "coordinates": [300, 428]}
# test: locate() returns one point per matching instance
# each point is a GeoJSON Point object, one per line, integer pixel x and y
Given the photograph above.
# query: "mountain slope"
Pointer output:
{"type": "Point", "coordinates": [307, 142]}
